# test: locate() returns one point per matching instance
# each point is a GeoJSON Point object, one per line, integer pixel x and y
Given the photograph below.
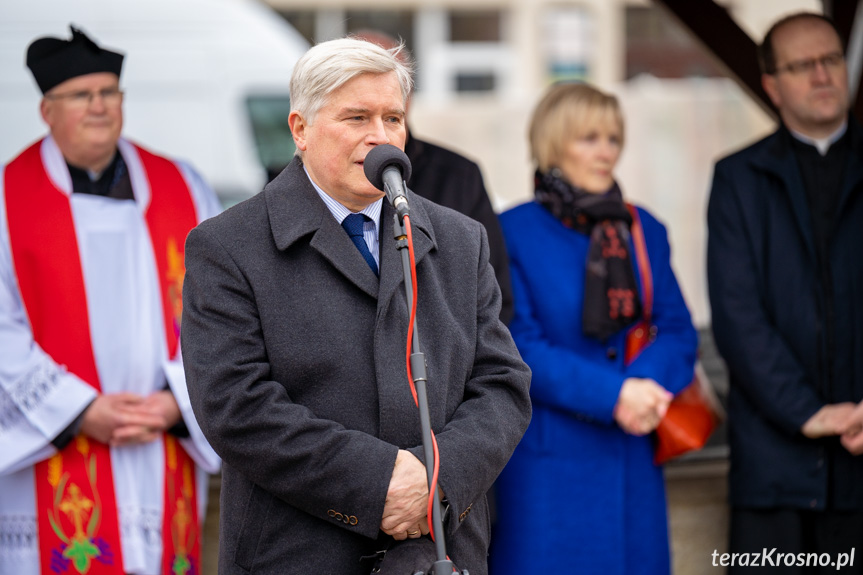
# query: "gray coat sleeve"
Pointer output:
{"type": "Point", "coordinates": [250, 420]}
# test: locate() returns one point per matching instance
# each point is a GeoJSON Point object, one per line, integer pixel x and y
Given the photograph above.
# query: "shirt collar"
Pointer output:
{"type": "Point", "coordinates": [821, 144]}
{"type": "Point", "coordinates": [340, 212]}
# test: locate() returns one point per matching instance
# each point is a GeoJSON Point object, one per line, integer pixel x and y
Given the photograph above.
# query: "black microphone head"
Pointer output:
{"type": "Point", "coordinates": [382, 156]}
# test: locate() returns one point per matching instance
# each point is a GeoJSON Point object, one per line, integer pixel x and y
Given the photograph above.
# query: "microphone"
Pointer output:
{"type": "Point", "coordinates": [387, 168]}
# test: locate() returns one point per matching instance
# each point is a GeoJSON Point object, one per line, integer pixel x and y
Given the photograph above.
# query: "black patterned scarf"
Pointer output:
{"type": "Point", "coordinates": [611, 300]}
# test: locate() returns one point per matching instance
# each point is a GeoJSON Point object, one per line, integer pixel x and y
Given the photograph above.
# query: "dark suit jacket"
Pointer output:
{"type": "Point", "coordinates": [295, 356]}
{"type": "Point", "coordinates": [452, 180]}
{"type": "Point", "coordinates": [768, 307]}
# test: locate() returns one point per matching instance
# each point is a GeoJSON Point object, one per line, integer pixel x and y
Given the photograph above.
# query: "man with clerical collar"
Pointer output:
{"type": "Point", "coordinates": [102, 464]}
{"type": "Point", "coordinates": [82, 106]}
{"type": "Point", "coordinates": [785, 268]}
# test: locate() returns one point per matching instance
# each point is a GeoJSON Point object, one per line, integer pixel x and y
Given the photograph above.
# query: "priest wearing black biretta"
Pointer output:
{"type": "Point", "coordinates": [100, 453]}
{"type": "Point", "coordinates": [53, 61]}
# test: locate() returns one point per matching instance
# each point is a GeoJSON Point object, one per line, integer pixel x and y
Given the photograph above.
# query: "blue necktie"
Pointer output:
{"type": "Point", "coordinates": [353, 224]}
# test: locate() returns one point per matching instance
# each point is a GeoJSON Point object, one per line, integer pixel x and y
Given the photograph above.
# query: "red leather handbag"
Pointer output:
{"type": "Point", "coordinates": [695, 412]}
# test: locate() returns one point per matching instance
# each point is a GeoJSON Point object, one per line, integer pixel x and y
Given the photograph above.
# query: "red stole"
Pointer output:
{"type": "Point", "coordinates": [76, 506]}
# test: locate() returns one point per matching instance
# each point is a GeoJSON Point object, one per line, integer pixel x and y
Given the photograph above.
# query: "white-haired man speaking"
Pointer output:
{"type": "Point", "coordinates": [294, 346]}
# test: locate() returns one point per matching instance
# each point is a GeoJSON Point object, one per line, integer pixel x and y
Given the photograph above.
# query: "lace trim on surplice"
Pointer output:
{"type": "Point", "coordinates": [28, 393]}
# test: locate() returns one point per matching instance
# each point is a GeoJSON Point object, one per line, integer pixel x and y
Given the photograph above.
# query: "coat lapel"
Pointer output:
{"type": "Point", "coordinates": [333, 243]}
{"type": "Point", "coordinates": [778, 159]}
{"type": "Point", "coordinates": [854, 168]}
{"type": "Point", "coordinates": [392, 269]}
{"type": "Point", "coordinates": [295, 211]}
{"type": "Point", "coordinates": [392, 314]}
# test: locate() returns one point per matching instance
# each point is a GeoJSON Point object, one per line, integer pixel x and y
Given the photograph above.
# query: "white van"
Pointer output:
{"type": "Point", "coordinates": [204, 80]}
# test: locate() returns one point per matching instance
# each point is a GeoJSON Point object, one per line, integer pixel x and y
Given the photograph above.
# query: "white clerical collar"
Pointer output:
{"type": "Point", "coordinates": [822, 144]}
{"type": "Point", "coordinates": [340, 212]}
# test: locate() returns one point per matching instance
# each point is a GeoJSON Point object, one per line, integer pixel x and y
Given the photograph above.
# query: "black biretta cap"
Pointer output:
{"type": "Point", "coordinates": [53, 61]}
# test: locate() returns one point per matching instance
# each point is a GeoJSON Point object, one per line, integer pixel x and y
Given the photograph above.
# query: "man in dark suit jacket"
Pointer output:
{"type": "Point", "coordinates": [451, 180]}
{"type": "Point", "coordinates": [294, 345]}
{"type": "Point", "coordinates": [785, 269]}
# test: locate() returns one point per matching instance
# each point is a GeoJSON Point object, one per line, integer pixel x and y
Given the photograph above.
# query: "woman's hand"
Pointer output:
{"type": "Point", "coordinates": [641, 405]}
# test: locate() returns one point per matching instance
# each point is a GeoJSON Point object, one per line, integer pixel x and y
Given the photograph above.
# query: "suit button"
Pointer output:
{"type": "Point", "coordinates": [331, 513]}
{"type": "Point", "coordinates": [611, 353]}
{"type": "Point", "coordinates": [354, 520]}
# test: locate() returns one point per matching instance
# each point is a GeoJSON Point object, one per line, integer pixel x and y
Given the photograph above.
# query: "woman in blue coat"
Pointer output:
{"type": "Point", "coordinates": [581, 494]}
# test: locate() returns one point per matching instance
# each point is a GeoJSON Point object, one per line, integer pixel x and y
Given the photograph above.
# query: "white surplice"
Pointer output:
{"type": "Point", "coordinates": [39, 399]}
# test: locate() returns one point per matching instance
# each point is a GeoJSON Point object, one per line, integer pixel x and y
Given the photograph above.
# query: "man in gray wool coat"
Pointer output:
{"type": "Point", "coordinates": [294, 339]}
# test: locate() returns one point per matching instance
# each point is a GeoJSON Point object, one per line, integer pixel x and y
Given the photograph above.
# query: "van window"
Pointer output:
{"type": "Point", "coordinates": [269, 118]}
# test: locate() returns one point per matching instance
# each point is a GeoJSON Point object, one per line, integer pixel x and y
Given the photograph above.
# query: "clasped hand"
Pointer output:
{"type": "Point", "coordinates": [641, 405]}
{"type": "Point", "coordinates": [128, 419]}
{"type": "Point", "coordinates": [407, 499]}
{"type": "Point", "coordinates": [842, 419]}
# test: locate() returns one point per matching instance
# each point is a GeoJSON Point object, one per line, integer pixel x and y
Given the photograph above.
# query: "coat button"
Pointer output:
{"type": "Point", "coordinates": [331, 513]}
{"type": "Point", "coordinates": [611, 353]}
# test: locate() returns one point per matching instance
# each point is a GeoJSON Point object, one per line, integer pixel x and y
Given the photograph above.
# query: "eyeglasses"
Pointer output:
{"type": "Point", "coordinates": [82, 99]}
{"type": "Point", "coordinates": [830, 62]}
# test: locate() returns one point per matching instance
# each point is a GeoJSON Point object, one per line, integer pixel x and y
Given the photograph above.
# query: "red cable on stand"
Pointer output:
{"type": "Point", "coordinates": [436, 468]}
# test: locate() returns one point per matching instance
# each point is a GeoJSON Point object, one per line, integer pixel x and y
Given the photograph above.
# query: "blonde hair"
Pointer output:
{"type": "Point", "coordinates": [567, 111]}
{"type": "Point", "coordinates": [329, 65]}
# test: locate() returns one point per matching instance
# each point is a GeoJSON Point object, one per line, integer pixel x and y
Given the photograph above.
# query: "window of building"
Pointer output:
{"type": "Point", "coordinates": [475, 26]}
{"type": "Point", "coordinates": [268, 115]}
{"type": "Point", "coordinates": [567, 38]}
{"type": "Point", "coordinates": [310, 23]}
{"type": "Point", "coordinates": [466, 82]}
{"type": "Point", "coordinates": [303, 21]}
{"type": "Point", "coordinates": [658, 45]}
{"type": "Point", "coordinates": [396, 23]}
{"type": "Point", "coordinates": [456, 51]}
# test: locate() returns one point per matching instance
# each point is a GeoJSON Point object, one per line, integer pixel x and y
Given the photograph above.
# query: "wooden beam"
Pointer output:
{"type": "Point", "coordinates": [719, 33]}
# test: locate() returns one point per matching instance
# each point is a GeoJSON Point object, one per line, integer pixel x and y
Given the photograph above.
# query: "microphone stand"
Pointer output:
{"type": "Point", "coordinates": [442, 566]}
